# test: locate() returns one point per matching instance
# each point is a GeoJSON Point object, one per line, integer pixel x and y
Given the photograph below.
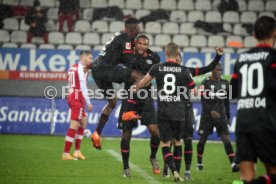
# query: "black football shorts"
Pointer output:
{"type": "Point", "coordinates": [262, 145]}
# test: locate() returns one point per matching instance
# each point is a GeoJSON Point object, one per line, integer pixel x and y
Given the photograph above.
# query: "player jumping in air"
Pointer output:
{"type": "Point", "coordinates": [105, 70]}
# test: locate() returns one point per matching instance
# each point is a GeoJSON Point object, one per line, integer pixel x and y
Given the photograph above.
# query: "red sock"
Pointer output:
{"type": "Point", "coordinates": [69, 139]}
{"type": "Point", "coordinates": [79, 137]}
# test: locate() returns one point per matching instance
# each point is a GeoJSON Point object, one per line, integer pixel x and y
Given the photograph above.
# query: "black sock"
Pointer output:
{"type": "Point", "coordinates": [188, 153]}
{"type": "Point", "coordinates": [229, 151]}
{"type": "Point", "coordinates": [154, 144]}
{"type": "Point", "coordinates": [265, 179]}
{"type": "Point", "coordinates": [200, 150]}
{"type": "Point", "coordinates": [168, 158]}
{"type": "Point", "coordinates": [125, 152]}
{"type": "Point", "coordinates": [177, 157]}
{"type": "Point", "coordinates": [102, 121]}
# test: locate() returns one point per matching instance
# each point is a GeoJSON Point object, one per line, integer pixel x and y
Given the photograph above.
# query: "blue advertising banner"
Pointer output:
{"type": "Point", "coordinates": [15, 59]}
{"type": "Point", "coordinates": [20, 115]}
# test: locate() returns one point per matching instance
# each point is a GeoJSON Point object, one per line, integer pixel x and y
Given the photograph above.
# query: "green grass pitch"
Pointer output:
{"type": "Point", "coordinates": [31, 159]}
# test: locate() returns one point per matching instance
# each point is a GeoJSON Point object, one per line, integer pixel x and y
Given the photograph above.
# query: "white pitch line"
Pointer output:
{"type": "Point", "coordinates": [134, 167]}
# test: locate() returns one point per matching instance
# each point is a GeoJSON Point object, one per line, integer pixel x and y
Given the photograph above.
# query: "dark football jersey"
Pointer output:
{"type": "Point", "coordinates": [202, 70]}
{"type": "Point", "coordinates": [214, 97]}
{"type": "Point", "coordinates": [171, 79]}
{"type": "Point", "coordinates": [117, 50]}
{"type": "Point", "coordinates": [253, 83]}
{"type": "Point", "coordinates": [144, 64]}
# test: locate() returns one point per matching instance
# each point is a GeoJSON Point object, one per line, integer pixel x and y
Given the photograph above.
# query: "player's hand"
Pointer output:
{"type": "Point", "coordinates": [215, 115]}
{"type": "Point", "coordinates": [228, 122]}
{"type": "Point", "coordinates": [219, 51]}
{"type": "Point", "coordinates": [89, 107]}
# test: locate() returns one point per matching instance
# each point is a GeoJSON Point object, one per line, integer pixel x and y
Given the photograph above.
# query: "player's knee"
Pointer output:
{"type": "Point", "coordinates": [155, 140]}
{"type": "Point", "coordinates": [112, 104]}
{"type": "Point", "coordinates": [125, 143]}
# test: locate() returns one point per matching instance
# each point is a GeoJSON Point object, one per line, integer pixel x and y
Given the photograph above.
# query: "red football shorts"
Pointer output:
{"type": "Point", "coordinates": [77, 110]}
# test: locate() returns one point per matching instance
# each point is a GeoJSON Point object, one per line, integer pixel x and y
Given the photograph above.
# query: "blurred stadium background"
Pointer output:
{"type": "Point", "coordinates": [26, 69]}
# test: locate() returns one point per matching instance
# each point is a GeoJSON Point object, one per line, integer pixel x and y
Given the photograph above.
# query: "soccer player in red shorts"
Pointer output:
{"type": "Point", "coordinates": [78, 96]}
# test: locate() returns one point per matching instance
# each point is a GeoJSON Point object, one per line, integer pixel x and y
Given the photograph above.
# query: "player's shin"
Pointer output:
{"type": "Point", "coordinates": [168, 158]}
{"type": "Point", "coordinates": [125, 149]}
{"type": "Point", "coordinates": [188, 153]}
{"type": "Point", "coordinates": [154, 144]}
{"type": "Point", "coordinates": [177, 157]}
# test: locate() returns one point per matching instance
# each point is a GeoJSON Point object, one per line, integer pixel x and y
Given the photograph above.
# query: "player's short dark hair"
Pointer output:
{"type": "Point", "coordinates": [264, 27]}
{"type": "Point", "coordinates": [131, 21]}
{"type": "Point", "coordinates": [85, 52]}
{"type": "Point", "coordinates": [172, 49]}
{"type": "Point", "coordinates": [142, 36]}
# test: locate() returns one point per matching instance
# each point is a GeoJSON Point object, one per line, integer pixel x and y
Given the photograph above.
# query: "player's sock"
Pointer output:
{"type": "Point", "coordinates": [168, 158]}
{"type": "Point", "coordinates": [265, 179]}
{"type": "Point", "coordinates": [177, 157]}
{"type": "Point", "coordinates": [229, 151]}
{"type": "Point", "coordinates": [79, 136]}
{"type": "Point", "coordinates": [125, 152]}
{"type": "Point", "coordinates": [102, 121]}
{"type": "Point", "coordinates": [200, 150]}
{"type": "Point", "coordinates": [154, 144]}
{"type": "Point", "coordinates": [188, 153]}
{"type": "Point", "coordinates": [69, 139]}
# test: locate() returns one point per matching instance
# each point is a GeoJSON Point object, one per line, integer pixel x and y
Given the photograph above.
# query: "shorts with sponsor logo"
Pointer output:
{"type": "Point", "coordinates": [169, 129]}
{"type": "Point", "coordinates": [77, 109]}
{"type": "Point", "coordinates": [251, 146]}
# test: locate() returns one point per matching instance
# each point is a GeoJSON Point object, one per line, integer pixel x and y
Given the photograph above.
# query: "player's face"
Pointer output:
{"type": "Point", "coordinates": [217, 72]}
{"type": "Point", "coordinates": [134, 30]}
{"type": "Point", "coordinates": [142, 45]}
{"type": "Point", "coordinates": [88, 59]}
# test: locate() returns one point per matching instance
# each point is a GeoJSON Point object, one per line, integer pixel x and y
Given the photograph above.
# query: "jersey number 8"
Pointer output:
{"type": "Point", "coordinates": [169, 83]}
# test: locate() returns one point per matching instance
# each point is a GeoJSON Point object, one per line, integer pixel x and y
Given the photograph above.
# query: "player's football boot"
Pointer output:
{"type": "Point", "coordinates": [155, 166]}
{"type": "Point", "coordinates": [187, 175]}
{"type": "Point", "coordinates": [127, 173]}
{"type": "Point", "coordinates": [130, 115]}
{"type": "Point", "coordinates": [199, 167]}
{"type": "Point", "coordinates": [235, 167]}
{"type": "Point", "coordinates": [78, 155]}
{"type": "Point", "coordinates": [96, 140]}
{"type": "Point", "coordinates": [177, 177]}
{"type": "Point", "coordinates": [67, 157]}
{"type": "Point", "coordinates": [166, 172]}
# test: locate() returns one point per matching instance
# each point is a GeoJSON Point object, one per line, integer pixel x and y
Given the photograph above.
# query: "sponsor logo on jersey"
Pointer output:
{"type": "Point", "coordinates": [149, 61]}
{"type": "Point", "coordinates": [128, 45]}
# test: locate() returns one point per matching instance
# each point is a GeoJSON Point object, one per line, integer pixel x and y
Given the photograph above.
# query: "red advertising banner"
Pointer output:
{"type": "Point", "coordinates": [33, 75]}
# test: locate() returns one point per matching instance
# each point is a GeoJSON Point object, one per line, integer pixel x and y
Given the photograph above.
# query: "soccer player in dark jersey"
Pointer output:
{"type": "Point", "coordinates": [105, 70]}
{"type": "Point", "coordinates": [215, 113]}
{"type": "Point", "coordinates": [170, 76]}
{"type": "Point", "coordinates": [254, 85]}
{"type": "Point", "coordinates": [143, 61]}
{"type": "Point", "coordinates": [187, 127]}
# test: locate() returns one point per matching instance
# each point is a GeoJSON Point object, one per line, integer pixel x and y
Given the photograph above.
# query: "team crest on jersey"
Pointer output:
{"type": "Point", "coordinates": [223, 86]}
{"type": "Point", "coordinates": [149, 61]}
{"type": "Point", "coordinates": [128, 45]}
